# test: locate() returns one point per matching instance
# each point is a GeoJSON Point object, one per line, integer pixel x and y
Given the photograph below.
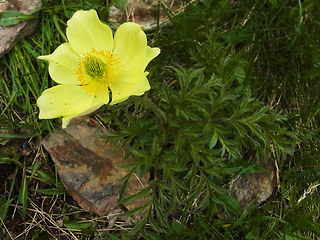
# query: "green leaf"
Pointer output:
{"type": "Point", "coordinates": [4, 205]}
{"type": "Point", "coordinates": [177, 228]}
{"type": "Point", "coordinates": [10, 17]}
{"type": "Point", "coordinates": [125, 235]}
{"type": "Point", "coordinates": [177, 168]}
{"type": "Point", "coordinates": [74, 224]}
{"type": "Point", "coordinates": [47, 177]}
{"type": "Point", "coordinates": [139, 226]}
{"type": "Point", "coordinates": [137, 209]}
{"type": "Point", "coordinates": [113, 237]}
{"type": "Point", "coordinates": [141, 193]}
{"type": "Point", "coordinates": [4, 141]}
{"type": "Point", "coordinates": [35, 167]}
{"type": "Point", "coordinates": [23, 196]}
{"type": "Point", "coordinates": [8, 160]}
{"type": "Point", "coordinates": [52, 191]}
{"type": "Point", "coordinates": [86, 227]}
{"type": "Point", "coordinates": [213, 140]}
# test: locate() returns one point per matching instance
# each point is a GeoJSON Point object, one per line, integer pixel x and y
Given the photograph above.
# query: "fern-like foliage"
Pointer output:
{"type": "Point", "coordinates": [194, 133]}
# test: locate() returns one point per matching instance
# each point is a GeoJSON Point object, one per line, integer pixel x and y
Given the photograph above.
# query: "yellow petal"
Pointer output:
{"type": "Point", "coordinates": [96, 105]}
{"type": "Point", "coordinates": [130, 45]}
{"type": "Point", "coordinates": [151, 53]}
{"type": "Point", "coordinates": [69, 100]}
{"type": "Point", "coordinates": [129, 85]}
{"type": "Point", "coordinates": [86, 32]}
{"type": "Point", "coordinates": [67, 119]}
{"type": "Point", "coordinates": [62, 64]}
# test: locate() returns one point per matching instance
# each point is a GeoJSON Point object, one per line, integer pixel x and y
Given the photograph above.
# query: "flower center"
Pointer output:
{"type": "Point", "coordinates": [94, 67]}
{"type": "Point", "coordinates": [97, 70]}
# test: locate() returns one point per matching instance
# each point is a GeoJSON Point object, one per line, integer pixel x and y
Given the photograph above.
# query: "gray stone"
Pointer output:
{"type": "Point", "coordinates": [257, 187]}
{"type": "Point", "coordinates": [11, 34]}
{"type": "Point", "coordinates": [145, 12]}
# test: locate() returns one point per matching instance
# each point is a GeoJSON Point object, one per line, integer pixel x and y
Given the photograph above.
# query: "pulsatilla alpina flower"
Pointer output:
{"type": "Point", "coordinates": [92, 64]}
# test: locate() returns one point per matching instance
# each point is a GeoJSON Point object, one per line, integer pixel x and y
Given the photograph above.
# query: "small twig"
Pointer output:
{"type": "Point", "coordinates": [138, 179]}
{"type": "Point", "coordinates": [6, 228]}
{"type": "Point", "coordinates": [14, 210]}
{"type": "Point", "coordinates": [48, 217]}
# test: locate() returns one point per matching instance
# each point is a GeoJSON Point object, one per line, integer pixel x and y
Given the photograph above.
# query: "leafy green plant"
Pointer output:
{"type": "Point", "coordinates": [195, 136]}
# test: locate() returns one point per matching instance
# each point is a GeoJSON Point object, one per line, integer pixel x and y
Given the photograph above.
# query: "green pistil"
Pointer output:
{"type": "Point", "coordinates": [94, 67]}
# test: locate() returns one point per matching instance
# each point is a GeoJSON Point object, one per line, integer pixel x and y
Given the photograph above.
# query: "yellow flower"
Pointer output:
{"type": "Point", "coordinates": [93, 63]}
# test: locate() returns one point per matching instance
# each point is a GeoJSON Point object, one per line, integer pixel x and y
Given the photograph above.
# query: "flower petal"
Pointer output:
{"type": "Point", "coordinates": [129, 85]}
{"type": "Point", "coordinates": [69, 101]}
{"type": "Point", "coordinates": [67, 119]}
{"type": "Point", "coordinates": [86, 32]}
{"type": "Point", "coordinates": [62, 64]}
{"type": "Point", "coordinates": [151, 53]}
{"type": "Point", "coordinates": [130, 45]}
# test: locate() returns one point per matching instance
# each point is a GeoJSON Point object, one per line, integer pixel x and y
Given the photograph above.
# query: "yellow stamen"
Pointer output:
{"type": "Point", "coordinates": [97, 70]}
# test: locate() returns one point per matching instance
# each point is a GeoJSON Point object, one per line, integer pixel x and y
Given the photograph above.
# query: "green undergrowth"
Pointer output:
{"type": "Point", "coordinates": [235, 87]}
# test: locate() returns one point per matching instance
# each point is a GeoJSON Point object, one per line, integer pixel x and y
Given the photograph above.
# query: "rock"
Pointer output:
{"type": "Point", "coordinates": [257, 187]}
{"type": "Point", "coordinates": [11, 34]}
{"type": "Point", "coordinates": [89, 167]}
{"type": "Point", "coordinates": [145, 12]}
